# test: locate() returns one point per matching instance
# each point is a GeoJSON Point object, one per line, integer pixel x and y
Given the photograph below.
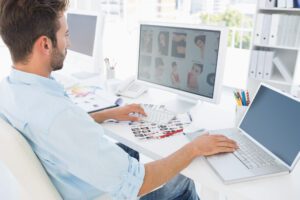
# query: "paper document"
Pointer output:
{"type": "Point", "coordinates": [92, 99]}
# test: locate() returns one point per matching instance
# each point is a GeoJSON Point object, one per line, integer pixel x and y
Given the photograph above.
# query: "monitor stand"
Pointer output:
{"type": "Point", "coordinates": [181, 104]}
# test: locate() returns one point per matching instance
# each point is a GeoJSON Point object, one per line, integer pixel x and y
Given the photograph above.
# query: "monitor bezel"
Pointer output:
{"type": "Point", "coordinates": [290, 167]}
{"type": "Point", "coordinates": [219, 68]}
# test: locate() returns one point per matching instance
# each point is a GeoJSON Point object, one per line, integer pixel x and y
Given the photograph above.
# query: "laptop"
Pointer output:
{"type": "Point", "coordinates": [268, 137]}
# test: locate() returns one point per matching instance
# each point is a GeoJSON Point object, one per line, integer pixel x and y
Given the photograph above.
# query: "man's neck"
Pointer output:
{"type": "Point", "coordinates": [33, 69]}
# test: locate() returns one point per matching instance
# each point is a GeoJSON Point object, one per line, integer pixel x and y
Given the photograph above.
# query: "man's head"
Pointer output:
{"type": "Point", "coordinates": [35, 29]}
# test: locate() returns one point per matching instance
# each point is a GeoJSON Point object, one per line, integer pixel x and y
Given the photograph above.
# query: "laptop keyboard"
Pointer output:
{"type": "Point", "coordinates": [250, 154]}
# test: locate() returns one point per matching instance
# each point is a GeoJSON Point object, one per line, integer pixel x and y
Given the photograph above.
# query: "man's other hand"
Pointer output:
{"type": "Point", "coordinates": [206, 145]}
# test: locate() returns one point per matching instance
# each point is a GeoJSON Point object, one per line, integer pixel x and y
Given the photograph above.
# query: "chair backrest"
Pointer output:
{"type": "Point", "coordinates": [19, 158]}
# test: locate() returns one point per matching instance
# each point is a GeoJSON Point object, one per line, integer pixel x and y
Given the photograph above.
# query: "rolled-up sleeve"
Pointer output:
{"type": "Point", "coordinates": [79, 143]}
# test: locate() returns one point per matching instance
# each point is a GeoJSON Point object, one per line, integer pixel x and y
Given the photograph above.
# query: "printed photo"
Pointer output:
{"type": "Point", "coordinates": [179, 45]}
{"type": "Point", "coordinates": [146, 41]}
{"type": "Point", "coordinates": [159, 69]}
{"type": "Point", "coordinates": [210, 79]}
{"type": "Point", "coordinates": [200, 43]}
{"type": "Point", "coordinates": [175, 79]}
{"type": "Point", "coordinates": [193, 77]}
{"type": "Point", "coordinates": [145, 67]}
{"type": "Point", "coordinates": [163, 43]}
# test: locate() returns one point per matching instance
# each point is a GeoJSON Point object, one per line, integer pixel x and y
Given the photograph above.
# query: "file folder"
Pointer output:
{"type": "Point", "coordinates": [268, 69]}
{"type": "Point", "coordinates": [290, 3]}
{"type": "Point", "coordinates": [281, 3]}
{"type": "Point", "coordinates": [253, 64]}
{"type": "Point", "coordinates": [281, 34]}
{"type": "Point", "coordinates": [274, 29]}
{"type": "Point", "coordinates": [260, 64]}
{"type": "Point", "coordinates": [282, 69]}
{"type": "Point", "coordinates": [262, 3]}
{"type": "Point", "coordinates": [258, 28]}
{"type": "Point", "coordinates": [266, 29]}
{"type": "Point", "coordinates": [297, 4]}
{"type": "Point", "coordinates": [270, 3]}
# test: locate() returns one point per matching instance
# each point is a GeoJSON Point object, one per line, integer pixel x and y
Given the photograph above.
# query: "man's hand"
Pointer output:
{"type": "Point", "coordinates": [206, 145]}
{"type": "Point", "coordinates": [123, 113]}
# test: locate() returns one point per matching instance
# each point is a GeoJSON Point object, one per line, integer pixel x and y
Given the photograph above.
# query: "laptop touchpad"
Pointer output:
{"type": "Point", "coordinates": [232, 170]}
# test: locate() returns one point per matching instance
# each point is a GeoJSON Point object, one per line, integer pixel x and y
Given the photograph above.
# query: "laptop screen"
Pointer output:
{"type": "Point", "coordinates": [274, 121]}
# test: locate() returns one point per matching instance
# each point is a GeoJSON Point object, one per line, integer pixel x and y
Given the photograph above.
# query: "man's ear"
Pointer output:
{"type": "Point", "coordinates": [44, 45]}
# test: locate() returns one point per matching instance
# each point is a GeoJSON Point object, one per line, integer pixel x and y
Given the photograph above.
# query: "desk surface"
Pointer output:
{"type": "Point", "coordinates": [211, 117]}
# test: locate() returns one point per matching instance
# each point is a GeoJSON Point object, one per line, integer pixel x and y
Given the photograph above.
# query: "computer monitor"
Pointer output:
{"type": "Point", "coordinates": [185, 59]}
{"type": "Point", "coordinates": [86, 33]}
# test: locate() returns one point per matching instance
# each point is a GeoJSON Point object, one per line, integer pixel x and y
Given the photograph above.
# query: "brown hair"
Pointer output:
{"type": "Point", "coordinates": [22, 22]}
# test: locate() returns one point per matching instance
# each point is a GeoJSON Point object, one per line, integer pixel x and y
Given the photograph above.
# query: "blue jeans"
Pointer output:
{"type": "Point", "coordinates": [178, 188]}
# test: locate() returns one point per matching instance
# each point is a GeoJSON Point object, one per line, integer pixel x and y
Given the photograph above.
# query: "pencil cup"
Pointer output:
{"type": "Point", "coordinates": [239, 113]}
{"type": "Point", "coordinates": [110, 73]}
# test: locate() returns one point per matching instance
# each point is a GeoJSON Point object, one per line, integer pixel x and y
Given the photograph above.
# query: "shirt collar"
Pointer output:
{"type": "Point", "coordinates": [50, 84]}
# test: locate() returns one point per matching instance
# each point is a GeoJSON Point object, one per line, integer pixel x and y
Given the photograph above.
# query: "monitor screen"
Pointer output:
{"type": "Point", "coordinates": [82, 29]}
{"type": "Point", "coordinates": [180, 58]}
{"type": "Point", "coordinates": [273, 121]}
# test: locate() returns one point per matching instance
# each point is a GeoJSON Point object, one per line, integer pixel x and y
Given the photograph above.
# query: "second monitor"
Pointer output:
{"type": "Point", "coordinates": [86, 33]}
{"type": "Point", "coordinates": [186, 60]}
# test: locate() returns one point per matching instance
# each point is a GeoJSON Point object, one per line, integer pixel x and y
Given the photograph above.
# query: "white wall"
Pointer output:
{"type": "Point", "coordinates": [5, 62]}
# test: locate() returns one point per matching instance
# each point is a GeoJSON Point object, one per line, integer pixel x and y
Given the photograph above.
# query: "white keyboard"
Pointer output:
{"type": "Point", "coordinates": [250, 154]}
{"type": "Point", "coordinates": [157, 114]}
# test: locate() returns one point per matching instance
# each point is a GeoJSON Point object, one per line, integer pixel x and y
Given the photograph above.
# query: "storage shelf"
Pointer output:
{"type": "Point", "coordinates": [280, 9]}
{"type": "Point", "coordinates": [288, 55]}
{"type": "Point", "coordinates": [275, 80]}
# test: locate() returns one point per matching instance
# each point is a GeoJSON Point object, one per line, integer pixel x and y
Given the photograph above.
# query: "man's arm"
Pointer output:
{"type": "Point", "coordinates": [119, 113]}
{"type": "Point", "coordinates": [159, 172]}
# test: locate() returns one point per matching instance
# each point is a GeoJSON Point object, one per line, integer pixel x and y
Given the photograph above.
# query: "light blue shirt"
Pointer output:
{"type": "Point", "coordinates": [80, 161]}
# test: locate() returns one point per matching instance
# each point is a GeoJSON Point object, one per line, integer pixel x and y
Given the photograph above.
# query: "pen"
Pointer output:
{"type": "Point", "coordinates": [198, 130]}
{"type": "Point", "coordinates": [190, 116]}
{"type": "Point", "coordinates": [248, 98]}
{"type": "Point", "coordinates": [238, 100]}
{"type": "Point", "coordinates": [244, 101]}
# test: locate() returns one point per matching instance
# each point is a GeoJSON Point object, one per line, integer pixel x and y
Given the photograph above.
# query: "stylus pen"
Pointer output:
{"type": "Point", "coordinates": [196, 131]}
{"type": "Point", "coordinates": [190, 116]}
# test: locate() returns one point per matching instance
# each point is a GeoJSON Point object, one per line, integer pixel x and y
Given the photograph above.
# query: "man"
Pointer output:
{"type": "Point", "coordinates": [81, 163]}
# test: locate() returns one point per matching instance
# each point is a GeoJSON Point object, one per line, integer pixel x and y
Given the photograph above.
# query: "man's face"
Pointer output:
{"type": "Point", "coordinates": [60, 51]}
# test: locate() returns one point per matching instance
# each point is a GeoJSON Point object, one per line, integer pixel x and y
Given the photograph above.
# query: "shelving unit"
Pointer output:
{"type": "Point", "coordinates": [289, 55]}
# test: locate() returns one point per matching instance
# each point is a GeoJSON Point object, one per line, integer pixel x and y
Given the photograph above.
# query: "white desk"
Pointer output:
{"type": "Point", "coordinates": [211, 117]}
